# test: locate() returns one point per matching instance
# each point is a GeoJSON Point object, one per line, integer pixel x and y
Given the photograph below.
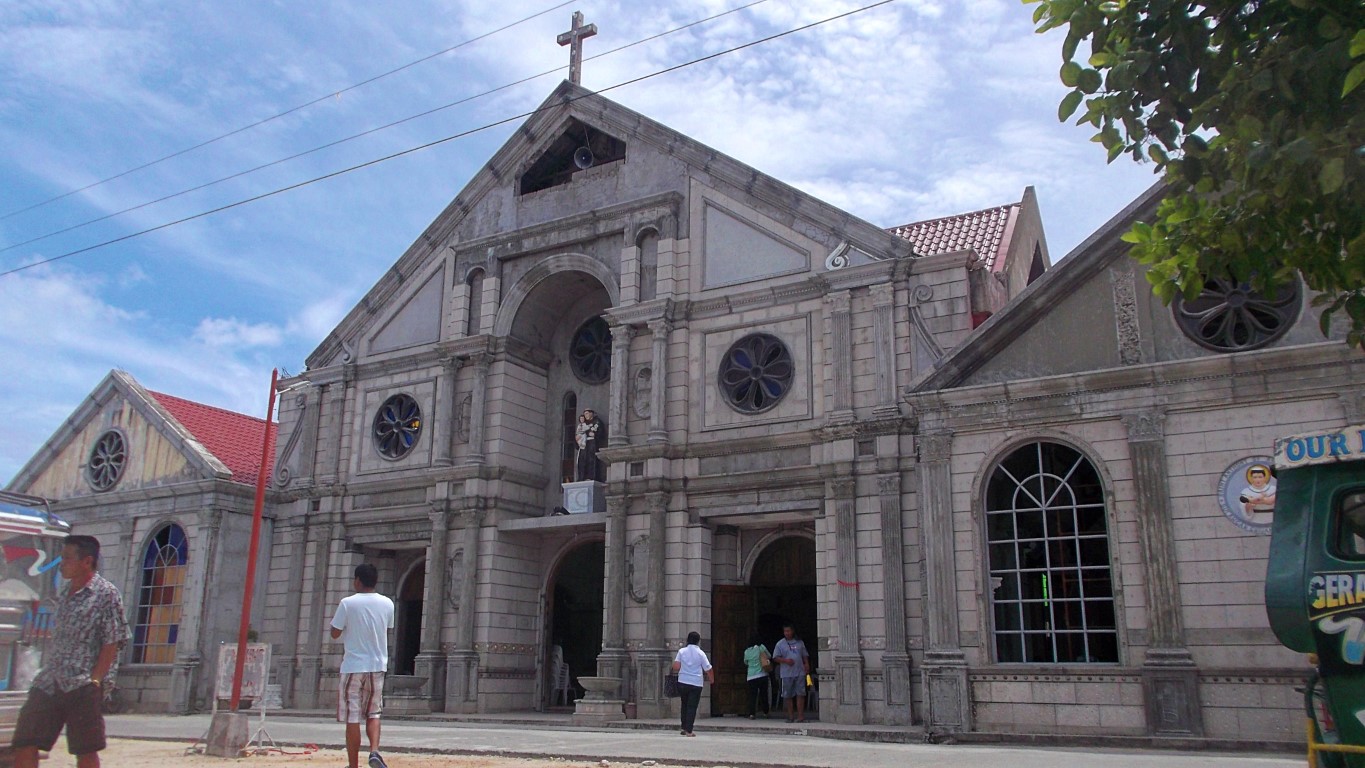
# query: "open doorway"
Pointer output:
{"type": "Point", "coordinates": [407, 640]}
{"type": "Point", "coordinates": [781, 590]}
{"type": "Point", "coordinates": [575, 622]}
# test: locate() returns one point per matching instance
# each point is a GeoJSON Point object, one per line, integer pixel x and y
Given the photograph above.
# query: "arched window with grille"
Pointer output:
{"type": "Point", "coordinates": [1051, 586]}
{"type": "Point", "coordinates": [165, 563]}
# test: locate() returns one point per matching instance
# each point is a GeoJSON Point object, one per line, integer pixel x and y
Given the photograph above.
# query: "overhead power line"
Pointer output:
{"type": "Point", "coordinates": [437, 142]}
{"type": "Point", "coordinates": [305, 105]}
{"type": "Point", "coordinates": [364, 133]}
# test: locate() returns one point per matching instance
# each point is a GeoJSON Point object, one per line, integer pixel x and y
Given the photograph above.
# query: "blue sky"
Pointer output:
{"type": "Point", "coordinates": [910, 111]}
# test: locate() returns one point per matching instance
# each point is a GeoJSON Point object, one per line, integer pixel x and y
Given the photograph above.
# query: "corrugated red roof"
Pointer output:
{"type": "Point", "coordinates": [233, 438]}
{"type": "Point", "coordinates": [980, 231]}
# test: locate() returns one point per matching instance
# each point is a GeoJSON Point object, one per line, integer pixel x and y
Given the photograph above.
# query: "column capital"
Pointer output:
{"type": "Point", "coordinates": [841, 488]}
{"type": "Point", "coordinates": [934, 446]}
{"type": "Point", "coordinates": [1145, 426]}
{"type": "Point", "coordinates": [660, 326]}
{"type": "Point", "coordinates": [889, 485]}
{"type": "Point", "coordinates": [883, 294]}
{"type": "Point", "coordinates": [453, 363]}
{"type": "Point", "coordinates": [839, 301]}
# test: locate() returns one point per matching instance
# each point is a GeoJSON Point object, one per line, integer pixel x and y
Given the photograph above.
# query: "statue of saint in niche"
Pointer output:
{"type": "Point", "coordinates": [589, 435]}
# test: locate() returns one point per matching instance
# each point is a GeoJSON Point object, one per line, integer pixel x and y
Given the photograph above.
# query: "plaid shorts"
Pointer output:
{"type": "Point", "coordinates": [360, 696]}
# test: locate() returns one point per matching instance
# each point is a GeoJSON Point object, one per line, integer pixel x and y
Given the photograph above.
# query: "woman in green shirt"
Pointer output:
{"type": "Point", "coordinates": [758, 662]}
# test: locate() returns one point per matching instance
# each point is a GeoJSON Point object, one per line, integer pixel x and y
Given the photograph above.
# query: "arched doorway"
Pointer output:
{"type": "Point", "coordinates": [781, 590]}
{"type": "Point", "coordinates": [574, 601]}
{"type": "Point", "coordinates": [407, 640]}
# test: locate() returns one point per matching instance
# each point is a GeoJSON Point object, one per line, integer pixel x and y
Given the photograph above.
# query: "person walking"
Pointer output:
{"type": "Point", "coordinates": [691, 665]}
{"type": "Point", "coordinates": [793, 667]}
{"type": "Point", "coordinates": [757, 662]}
{"type": "Point", "coordinates": [87, 632]}
{"type": "Point", "coordinates": [362, 622]}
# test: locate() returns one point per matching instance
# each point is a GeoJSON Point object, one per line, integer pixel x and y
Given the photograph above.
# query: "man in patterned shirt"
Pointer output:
{"type": "Point", "coordinates": [87, 632]}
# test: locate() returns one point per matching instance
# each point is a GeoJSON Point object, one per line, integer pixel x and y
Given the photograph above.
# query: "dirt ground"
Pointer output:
{"type": "Point", "coordinates": [154, 754]}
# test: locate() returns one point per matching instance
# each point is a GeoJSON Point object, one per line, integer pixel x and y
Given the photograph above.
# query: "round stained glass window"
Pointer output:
{"type": "Point", "coordinates": [590, 351]}
{"type": "Point", "coordinates": [107, 459]}
{"type": "Point", "coordinates": [397, 426]}
{"type": "Point", "coordinates": [756, 373]}
{"type": "Point", "coordinates": [1228, 316]}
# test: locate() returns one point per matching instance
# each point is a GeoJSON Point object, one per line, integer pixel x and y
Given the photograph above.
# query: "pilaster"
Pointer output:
{"type": "Point", "coordinates": [848, 659]}
{"type": "Point", "coordinates": [482, 361]}
{"type": "Point", "coordinates": [462, 664]}
{"type": "Point", "coordinates": [1170, 679]}
{"type": "Point", "coordinates": [653, 661]}
{"type": "Point", "coordinates": [611, 662]}
{"type": "Point", "coordinates": [884, 344]}
{"type": "Point", "coordinates": [659, 330]}
{"type": "Point", "coordinates": [621, 334]}
{"type": "Point", "coordinates": [431, 661]}
{"type": "Point", "coordinates": [947, 696]}
{"type": "Point", "coordinates": [447, 411]}
{"type": "Point", "coordinates": [896, 657]}
{"type": "Point", "coordinates": [839, 306]}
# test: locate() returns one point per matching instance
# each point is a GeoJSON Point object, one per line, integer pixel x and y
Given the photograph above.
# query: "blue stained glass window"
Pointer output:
{"type": "Point", "coordinates": [756, 373]}
{"type": "Point", "coordinates": [397, 425]}
{"type": "Point", "coordinates": [590, 351]}
{"type": "Point", "coordinates": [165, 563]}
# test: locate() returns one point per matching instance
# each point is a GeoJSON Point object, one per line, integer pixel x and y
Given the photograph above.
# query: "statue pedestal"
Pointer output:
{"type": "Point", "coordinates": [600, 704]}
{"type": "Point", "coordinates": [585, 496]}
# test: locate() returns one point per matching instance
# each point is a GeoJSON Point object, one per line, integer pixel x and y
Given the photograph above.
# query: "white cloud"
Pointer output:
{"type": "Point", "coordinates": [231, 332]}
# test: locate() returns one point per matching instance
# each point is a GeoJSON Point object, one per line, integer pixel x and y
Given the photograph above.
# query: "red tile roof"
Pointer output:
{"type": "Point", "coordinates": [233, 438]}
{"type": "Point", "coordinates": [981, 231]}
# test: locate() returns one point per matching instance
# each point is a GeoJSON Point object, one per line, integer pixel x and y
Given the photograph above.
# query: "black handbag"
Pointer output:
{"type": "Point", "coordinates": [671, 688]}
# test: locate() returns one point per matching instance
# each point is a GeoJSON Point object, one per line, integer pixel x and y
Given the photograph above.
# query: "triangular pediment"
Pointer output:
{"type": "Point", "coordinates": [118, 439]}
{"type": "Point", "coordinates": [417, 319]}
{"type": "Point", "coordinates": [539, 163]}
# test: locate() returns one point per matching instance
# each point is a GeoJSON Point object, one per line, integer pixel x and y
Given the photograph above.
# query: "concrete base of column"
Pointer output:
{"type": "Point", "coordinates": [847, 700]}
{"type": "Point", "coordinates": [650, 668]}
{"type": "Point", "coordinates": [432, 666]}
{"type": "Point", "coordinates": [462, 682]}
{"type": "Point", "coordinates": [896, 688]}
{"type": "Point", "coordinates": [1170, 691]}
{"type": "Point", "coordinates": [947, 694]}
{"type": "Point", "coordinates": [307, 695]}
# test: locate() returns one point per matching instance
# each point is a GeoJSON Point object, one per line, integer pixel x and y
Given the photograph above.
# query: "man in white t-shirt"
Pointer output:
{"type": "Point", "coordinates": [362, 623]}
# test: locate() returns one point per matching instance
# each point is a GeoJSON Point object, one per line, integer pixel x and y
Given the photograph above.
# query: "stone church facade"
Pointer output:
{"type": "Point", "coordinates": [988, 494]}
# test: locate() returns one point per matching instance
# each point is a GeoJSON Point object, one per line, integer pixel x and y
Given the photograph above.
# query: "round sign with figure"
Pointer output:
{"type": "Point", "coordinates": [1246, 493]}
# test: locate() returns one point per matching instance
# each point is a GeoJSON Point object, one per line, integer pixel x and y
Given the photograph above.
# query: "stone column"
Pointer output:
{"type": "Point", "coordinates": [947, 696]}
{"type": "Point", "coordinates": [896, 657]}
{"type": "Point", "coordinates": [192, 645]}
{"type": "Point", "coordinates": [658, 423]}
{"type": "Point", "coordinates": [655, 659]}
{"type": "Point", "coordinates": [839, 305]}
{"type": "Point", "coordinates": [295, 531]}
{"type": "Point", "coordinates": [431, 660]}
{"type": "Point", "coordinates": [621, 335]}
{"type": "Point", "coordinates": [310, 662]}
{"type": "Point", "coordinates": [884, 346]}
{"type": "Point", "coordinates": [848, 657]}
{"type": "Point", "coordinates": [1170, 679]}
{"type": "Point", "coordinates": [478, 406]}
{"type": "Point", "coordinates": [462, 664]}
{"type": "Point", "coordinates": [447, 411]}
{"type": "Point", "coordinates": [612, 661]}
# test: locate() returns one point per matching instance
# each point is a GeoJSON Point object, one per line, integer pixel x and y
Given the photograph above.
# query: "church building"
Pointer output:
{"type": "Point", "coordinates": [990, 493]}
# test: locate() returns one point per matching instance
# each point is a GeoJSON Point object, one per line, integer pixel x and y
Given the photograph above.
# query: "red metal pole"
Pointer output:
{"type": "Point", "coordinates": [255, 545]}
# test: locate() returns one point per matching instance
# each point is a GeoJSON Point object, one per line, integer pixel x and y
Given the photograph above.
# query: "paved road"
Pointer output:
{"type": "Point", "coordinates": [789, 750]}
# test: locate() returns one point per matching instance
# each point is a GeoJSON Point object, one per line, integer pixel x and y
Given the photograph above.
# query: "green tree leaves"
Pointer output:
{"type": "Point", "coordinates": [1254, 114]}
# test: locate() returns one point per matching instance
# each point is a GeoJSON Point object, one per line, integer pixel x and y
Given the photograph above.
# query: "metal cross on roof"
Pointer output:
{"type": "Point", "coordinates": [574, 39]}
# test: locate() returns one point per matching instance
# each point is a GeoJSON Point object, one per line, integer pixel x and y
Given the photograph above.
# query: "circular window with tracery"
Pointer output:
{"type": "Point", "coordinates": [397, 425]}
{"type": "Point", "coordinates": [107, 459]}
{"type": "Point", "coordinates": [756, 373]}
{"type": "Point", "coordinates": [590, 351]}
{"type": "Point", "coordinates": [1228, 316]}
